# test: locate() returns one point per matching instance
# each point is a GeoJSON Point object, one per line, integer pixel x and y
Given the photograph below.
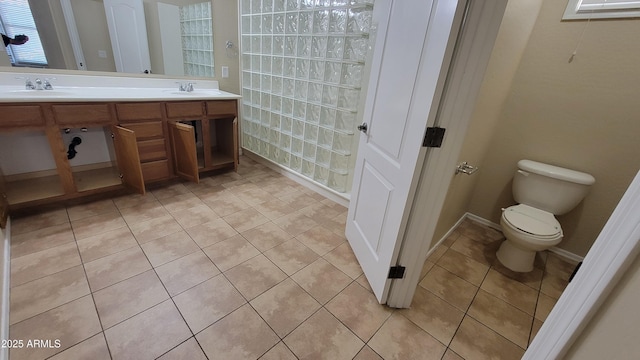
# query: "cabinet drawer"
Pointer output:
{"type": "Point", "coordinates": [139, 111]}
{"type": "Point", "coordinates": [155, 170]}
{"type": "Point", "coordinates": [152, 150]}
{"type": "Point", "coordinates": [145, 130]}
{"type": "Point", "coordinates": [184, 109]}
{"type": "Point", "coordinates": [222, 107]}
{"type": "Point", "coordinates": [81, 115]}
{"type": "Point", "coordinates": [21, 115]}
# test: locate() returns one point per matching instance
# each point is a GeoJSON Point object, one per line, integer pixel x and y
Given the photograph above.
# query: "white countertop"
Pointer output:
{"type": "Point", "coordinates": [90, 88]}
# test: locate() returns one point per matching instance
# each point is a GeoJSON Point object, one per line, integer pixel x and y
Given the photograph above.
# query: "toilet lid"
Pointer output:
{"type": "Point", "coordinates": [533, 221]}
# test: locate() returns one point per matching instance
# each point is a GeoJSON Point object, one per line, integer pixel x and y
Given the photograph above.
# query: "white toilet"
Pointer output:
{"type": "Point", "coordinates": [541, 191]}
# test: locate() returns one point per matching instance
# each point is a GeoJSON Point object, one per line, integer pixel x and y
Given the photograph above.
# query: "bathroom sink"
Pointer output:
{"type": "Point", "coordinates": [204, 92]}
{"type": "Point", "coordinates": [42, 93]}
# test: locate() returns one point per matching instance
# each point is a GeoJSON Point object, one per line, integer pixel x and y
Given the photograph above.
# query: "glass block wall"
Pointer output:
{"type": "Point", "coordinates": [197, 39]}
{"type": "Point", "coordinates": [302, 65]}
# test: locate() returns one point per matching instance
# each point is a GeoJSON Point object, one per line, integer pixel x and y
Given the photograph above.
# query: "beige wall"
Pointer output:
{"type": "Point", "coordinates": [513, 35]}
{"type": "Point", "coordinates": [581, 115]}
{"type": "Point", "coordinates": [613, 331]}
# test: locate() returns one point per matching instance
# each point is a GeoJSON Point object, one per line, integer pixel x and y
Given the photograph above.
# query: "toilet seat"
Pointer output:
{"type": "Point", "coordinates": [533, 222]}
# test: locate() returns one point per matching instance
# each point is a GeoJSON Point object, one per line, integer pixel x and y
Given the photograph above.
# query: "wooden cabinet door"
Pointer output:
{"type": "Point", "coordinates": [184, 151]}
{"type": "Point", "coordinates": [128, 158]}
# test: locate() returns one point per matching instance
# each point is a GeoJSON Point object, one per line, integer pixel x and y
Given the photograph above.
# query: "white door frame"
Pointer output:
{"type": "Point", "coordinates": [72, 28]}
{"type": "Point", "coordinates": [617, 246]}
{"type": "Point", "coordinates": [475, 45]}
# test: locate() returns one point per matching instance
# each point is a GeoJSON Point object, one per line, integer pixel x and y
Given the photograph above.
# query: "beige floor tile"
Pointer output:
{"type": "Point", "coordinates": [476, 250]}
{"type": "Point", "coordinates": [154, 229]}
{"type": "Point", "coordinates": [295, 223]}
{"type": "Point", "coordinates": [399, 338]}
{"type": "Point", "coordinates": [451, 355]}
{"type": "Point", "coordinates": [291, 256]}
{"type": "Point", "coordinates": [298, 200]}
{"type": "Point", "coordinates": [559, 267]}
{"type": "Point", "coordinates": [196, 215]}
{"type": "Point", "coordinates": [211, 233]}
{"type": "Point", "coordinates": [321, 212]}
{"type": "Point", "coordinates": [143, 212]}
{"type": "Point", "coordinates": [41, 239]}
{"type": "Point", "coordinates": [169, 248]}
{"type": "Point", "coordinates": [279, 352]}
{"type": "Point", "coordinates": [44, 294]}
{"type": "Point", "coordinates": [255, 276]}
{"type": "Point", "coordinates": [240, 335]}
{"type": "Point", "coordinates": [544, 306]}
{"type": "Point", "coordinates": [507, 320]}
{"type": "Point", "coordinates": [359, 310]}
{"type": "Point", "coordinates": [266, 236]}
{"type": "Point", "coordinates": [188, 350]}
{"type": "Point", "coordinates": [476, 341]}
{"type": "Point", "coordinates": [465, 267]}
{"type": "Point", "coordinates": [532, 278]}
{"type": "Point", "coordinates": [274, 209]}
{"type": "Point", "coordinates": [323, 337]}
{"type": "Point", "coordinates": [46, 262]}
{"type": "Point", "coordinates": [285, 306]}
{"type": "Point", "coordinates": [511, 291]}
{"type": "Point", "coordinates": [226, 204]}
{"type": "Point", "coordinates": [208, 302]}
{"type": "Point", "coordinates": [116, 267]}
{"type": "Point", "coordinates": [97, 224]}
{"type": "Point", "coordinates": [553, 285]}
{"type": "Point", "coordinates": [148, 334]}
{"type": "Point", "coordinates": [451, 239]}
{"type": "Point", "coordinates": [255, 196]}
{"type": "Point", "coordinates": [105, 244]}
{"type": "Point", "coordinates": [129, 200]}
{"type": "Point", "coordinates": [434, 315]}
{"type": "Point", "coordinates": [449, 287]}
{"type": "Point", "coordinates": [49, 218]}
{"type": "Point", "coordinates": [343, 258]}
{"type": "Point", "coordinates": [437, 253]}
{"type": "Point", "coordinates": [367, 354]}
{"type": "Point", "coordinates": [362, 280]}
{"type": "Point", "coordinates": [322, 280]}
{"type": "Point", "coordinates": [231, 252]}
{"type": "Point", "coordinates": [337, 224]}
{"type": "Point", "coordinates": [127, 298]}
{"type": "Point", "coordinates": [428, 265]}
{"type": "Point", "coordinates": [245, 219]}
{"type": "Point", "coordinates": [170, 191]}
{"type": "Point", "coordinates": [91, 209]}
{"type": "Point", "coordinates": [94, 348]}
{"type": "Point", "coordinates": [180, 202]}
{"type": "Point", "coordinates": [537, 324]}
{"type": "Point", "coordinates": [320, 240]}
{"type": "Point", "coordinates": [186, 272]}
{"type": "Point", "coordinates": [70, 323]}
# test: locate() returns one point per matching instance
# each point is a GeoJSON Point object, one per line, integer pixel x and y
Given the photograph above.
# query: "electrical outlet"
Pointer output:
{"type": "Point", "coordinates": [225, 72]}
{"type": "Point", "coordinates": [102, 54]}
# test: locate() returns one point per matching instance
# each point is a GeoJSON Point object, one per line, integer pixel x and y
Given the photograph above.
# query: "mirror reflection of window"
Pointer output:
{"type": "Point", "coordinates": [16, 19]}
{"type": "Point", "coordinates": [197, 39]}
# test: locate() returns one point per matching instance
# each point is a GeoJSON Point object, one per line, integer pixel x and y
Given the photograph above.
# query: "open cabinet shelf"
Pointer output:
{"type": "Point", "coordinates": [32, 189]}
{"type": "Point", "coordinates": [86, 180]}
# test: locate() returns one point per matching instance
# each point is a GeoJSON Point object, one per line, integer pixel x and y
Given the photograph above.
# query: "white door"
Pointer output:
{"type": "Point", "coordinates": [128, 32]}
{"type": "Point", "coordinates": [411, 56]}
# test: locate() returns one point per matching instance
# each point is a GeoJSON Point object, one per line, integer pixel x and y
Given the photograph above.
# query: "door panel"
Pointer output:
{"type": "Point", "coordinates": [184, 150]}
{"type": "Point", "coordinates": [128, 32]}
{"type": "Point", "coordinates": [128, 158]}
{"type": "Point", "coordinates": [406, 71]}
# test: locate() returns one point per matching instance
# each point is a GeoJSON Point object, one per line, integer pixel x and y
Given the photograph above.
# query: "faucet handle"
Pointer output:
{"type": "Point", "coordinates": [189, 87]}
{"type": "Point", "coordinates": [47, 83]}
{"type": "Point", "coordinates": [28, 85]}
{"type": "Point", "coordinates": [181, 86]}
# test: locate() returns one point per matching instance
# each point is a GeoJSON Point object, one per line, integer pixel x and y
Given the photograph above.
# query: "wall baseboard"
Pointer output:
{"type": "Point", "coordinates": [556, 250]}
{"type": "Point", "coordinates": [5, 270]}
{"type": "Point", "coordinates": [340, 198]}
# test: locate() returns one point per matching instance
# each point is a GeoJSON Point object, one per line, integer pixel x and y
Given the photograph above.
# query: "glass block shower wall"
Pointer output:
{"type": "Point", "coordinates": [197, 39]}
{"type": "Point", "coordinates": [302, 64]}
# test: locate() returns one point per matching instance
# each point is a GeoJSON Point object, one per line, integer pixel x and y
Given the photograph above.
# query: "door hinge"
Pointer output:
{"type": "Point", "coordinates": [396, 272]}
{"type": "Point", "coordinates": [433, 137]}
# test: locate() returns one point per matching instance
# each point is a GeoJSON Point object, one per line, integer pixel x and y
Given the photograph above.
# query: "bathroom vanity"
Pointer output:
{"type": "Point", "coordinates": [137, 135]}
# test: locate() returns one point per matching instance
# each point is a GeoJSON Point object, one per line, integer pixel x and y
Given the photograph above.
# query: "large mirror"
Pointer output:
{"type": "Point", "coordinates": [170, 24]}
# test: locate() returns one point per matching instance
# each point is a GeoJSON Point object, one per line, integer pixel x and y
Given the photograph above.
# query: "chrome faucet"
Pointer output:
{"type": "Point", "coordinates": [38, 84]}
{"type": "Point", "coordinates": [47, 84]}
{"type": "Point", "coordinates": [28, 85]}
{"type": "Point", "coordinates": [188, 87]}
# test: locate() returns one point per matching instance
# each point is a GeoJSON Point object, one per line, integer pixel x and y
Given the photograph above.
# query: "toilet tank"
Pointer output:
{"type": "Point", "coordinates": [550, 188]}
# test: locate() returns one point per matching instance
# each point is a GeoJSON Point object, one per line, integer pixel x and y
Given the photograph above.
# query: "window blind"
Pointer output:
{"type": "Point", "coordinates": [16, 19]}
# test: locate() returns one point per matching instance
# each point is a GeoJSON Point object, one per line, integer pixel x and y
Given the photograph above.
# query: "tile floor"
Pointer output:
{"type": "Point", "coordinates": [251, 265]}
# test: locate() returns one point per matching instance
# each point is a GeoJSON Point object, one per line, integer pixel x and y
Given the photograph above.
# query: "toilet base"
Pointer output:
{"type": "Point", "coordinates": [516, 258]}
